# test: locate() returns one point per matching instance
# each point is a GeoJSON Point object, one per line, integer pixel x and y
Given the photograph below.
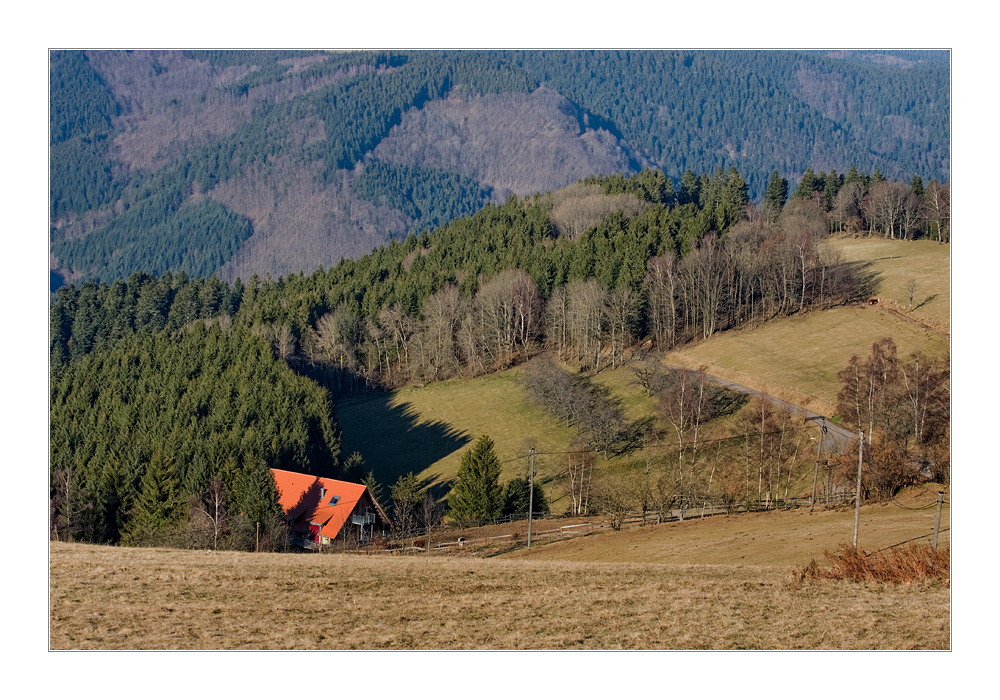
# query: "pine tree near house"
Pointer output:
{"type": "Point", "coordinates": [517, 498]}
{"type": "Point", "coordinates": [477, 495]}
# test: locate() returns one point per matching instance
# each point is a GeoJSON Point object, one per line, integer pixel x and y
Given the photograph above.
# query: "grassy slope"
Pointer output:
{"type": "Point", "coordinates": [782, 538]}
{"type": "Point", "coordinates": [426, 429]}
{"type": "Point", "coordinates": [798, 358]}
{"type": "Point", "coordinates": [926, 262]}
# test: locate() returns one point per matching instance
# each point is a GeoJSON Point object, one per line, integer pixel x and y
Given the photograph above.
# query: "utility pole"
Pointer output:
{"type": "Point", "coordinates": [857, 492]}
{"type": "Point", "coordinates": [531, 490]}
{"type": "Point", "coordinates": [819, 455]}
{"type": "Point", "coordinates": [937, 520]}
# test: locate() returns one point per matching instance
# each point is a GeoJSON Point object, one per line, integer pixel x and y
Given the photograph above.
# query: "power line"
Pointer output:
{"type": "Point", "coordinates": [912, 539]}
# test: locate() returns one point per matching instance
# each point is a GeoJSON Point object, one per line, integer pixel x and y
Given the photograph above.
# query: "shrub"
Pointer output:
{"type": "Point", "coordinates": [914, 564]}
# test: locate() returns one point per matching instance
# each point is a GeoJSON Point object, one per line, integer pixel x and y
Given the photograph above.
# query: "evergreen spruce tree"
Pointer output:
{"type": "Point", "coordinates": [775, 196]}
{"type": "Point", "coordinates": [253, 492]}
{"type": "Point", "coordinates": [689, 189]}
{"type": "Point", "coordinates": [353, 469]}
{"type": "Point", "coordinates": [831, 186]}
{"type": "Point", "coordinates": [806, 185]}
{"type": "Point", "coordinates": [477, 495]}
{"type": "Point", "coordinates": [406, 497]}
{"type": "Point", "coordinates": [853, 176]}
{"type": "Point", "coordinates": [373, 486]}
{"type": "Point", "coordinates": [160, 504]}
{"type": "Point", "coordinates": [516, 497]}
{"type": "Point", "coordinates": [733, 199]}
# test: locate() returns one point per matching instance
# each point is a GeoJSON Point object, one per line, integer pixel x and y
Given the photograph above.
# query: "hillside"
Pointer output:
{"type": "Point", "coordinates": [240, 163]}
{"type": "Point", "coordinates": [779, 538]}
{"type": "Point", "coordinates": [797, 359]}
{"type": "Point", "coordinates": [418, 358]}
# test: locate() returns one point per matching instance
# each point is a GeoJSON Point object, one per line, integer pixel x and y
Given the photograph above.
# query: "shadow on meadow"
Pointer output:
{"type": "Point", "coordinates": [393, 440]}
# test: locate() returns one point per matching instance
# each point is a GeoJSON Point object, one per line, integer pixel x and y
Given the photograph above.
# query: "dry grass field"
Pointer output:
{"type": "Point", "coordinates": [717, 583]}
{"type": "Point", "coordinates": [119, 598]}
{"type": "Point", "coordinates": [778, 538]}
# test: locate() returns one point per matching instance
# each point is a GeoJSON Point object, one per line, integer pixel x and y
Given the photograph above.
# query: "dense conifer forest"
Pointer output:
{"type": "Point", "coordinates": [241, 162]}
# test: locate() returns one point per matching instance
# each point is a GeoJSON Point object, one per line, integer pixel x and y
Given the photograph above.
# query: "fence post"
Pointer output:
{"type": "Point", "coordinates": [531, 492]}
{"type": "Point", "coordinates": [937, 520]}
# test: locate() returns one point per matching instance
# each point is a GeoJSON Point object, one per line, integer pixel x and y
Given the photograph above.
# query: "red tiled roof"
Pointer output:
{"type": "Point", "coordinates": [306, 499]}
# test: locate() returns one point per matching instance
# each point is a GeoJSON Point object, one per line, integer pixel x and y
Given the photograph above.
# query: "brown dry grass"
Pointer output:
{"type": "Point", "coordinates": [927, 263]}
{"type": "Point", "coordinates": [915, 563]}
{"type": "Point", "coordinates": [778, 538]}
{"type": "Point", "coordinates": [119, 598]}
{"type": "Point", "coordinates": [717, 583]}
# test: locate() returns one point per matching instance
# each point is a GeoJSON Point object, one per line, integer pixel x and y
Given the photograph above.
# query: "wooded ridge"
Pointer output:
{"type": "Point", "coordinates": [275, 162]}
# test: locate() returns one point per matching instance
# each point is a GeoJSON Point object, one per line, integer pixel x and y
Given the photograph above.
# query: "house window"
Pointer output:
{"type": "Point", "coordinates": [334, 500]}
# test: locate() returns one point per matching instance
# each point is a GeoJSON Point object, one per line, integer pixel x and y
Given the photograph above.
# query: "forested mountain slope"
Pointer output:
{"type": "Point", "coordinates": [165, 388]}
{"type": "Point", "coordinates": [235, 163]}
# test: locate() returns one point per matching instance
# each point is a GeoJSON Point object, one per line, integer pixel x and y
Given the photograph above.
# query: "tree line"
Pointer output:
{"type": "Point", "coordinates": [704, 445]}
{"type": "Point", "coordinates": [859, 203]}
{"type": "Point", "coordinates": [714, 447]}
{"type": "Point", "coordinates": [494, 288]}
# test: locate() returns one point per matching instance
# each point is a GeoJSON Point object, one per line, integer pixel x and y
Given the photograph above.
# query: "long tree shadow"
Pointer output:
{"type": "Point", "coordinates": [393, 439]}
{"type": "Point", "coordinates": [865, 278]}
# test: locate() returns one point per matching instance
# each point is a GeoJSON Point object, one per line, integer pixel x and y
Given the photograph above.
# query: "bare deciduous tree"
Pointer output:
{"type": "Point", "coordinates": [661, 286]}
{"type": "Point", "coordinates": [937, 204]}
{"type": "Point", "coordinates": [886, 202]}
{"type": "Point", "coordinates": [437, 338]}
{"type": "Point", "coordinates": [213, 505]}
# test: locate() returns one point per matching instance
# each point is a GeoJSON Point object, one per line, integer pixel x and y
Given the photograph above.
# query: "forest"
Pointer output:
{"type": "Point", "coordinates": [243, 162]}
{"type": "Point", "coordinates": [177, 386]}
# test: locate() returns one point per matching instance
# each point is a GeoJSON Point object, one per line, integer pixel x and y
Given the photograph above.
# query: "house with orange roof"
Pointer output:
{"type": "Point", "coordinates": [319, 510]}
